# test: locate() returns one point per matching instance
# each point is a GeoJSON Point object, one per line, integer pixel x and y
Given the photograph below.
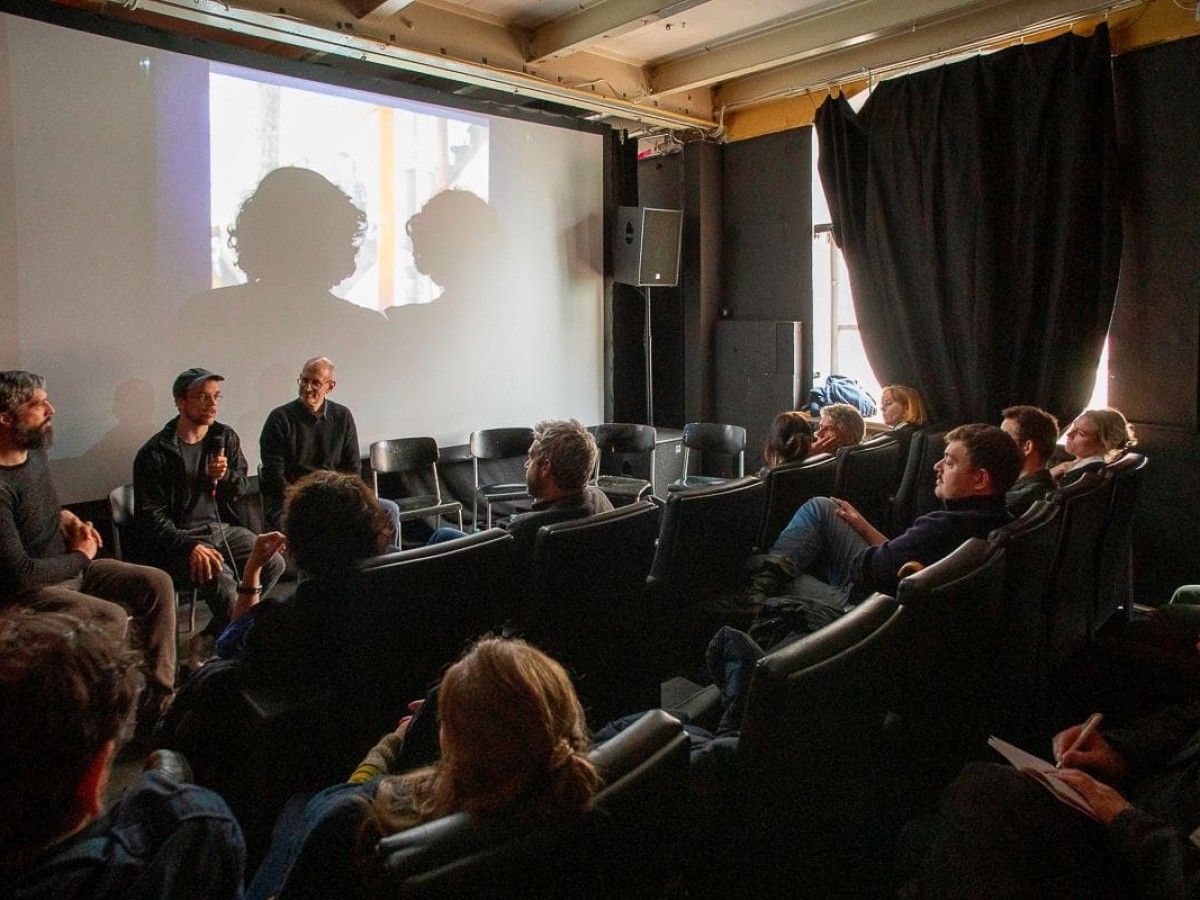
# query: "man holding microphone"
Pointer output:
{"type": "Point", "coordinates": [186, 479]}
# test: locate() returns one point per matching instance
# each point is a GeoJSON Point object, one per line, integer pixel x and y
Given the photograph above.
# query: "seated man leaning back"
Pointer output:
{"type": "Point", "coordinates": [980, 465]}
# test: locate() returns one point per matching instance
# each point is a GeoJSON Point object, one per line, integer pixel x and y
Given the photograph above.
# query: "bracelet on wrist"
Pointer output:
{"type": "Point", "coordinates": [249, 591]}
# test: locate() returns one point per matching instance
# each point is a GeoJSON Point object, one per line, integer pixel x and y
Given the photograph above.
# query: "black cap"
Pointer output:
{"type": "Point", "coordinates": [189, 378]}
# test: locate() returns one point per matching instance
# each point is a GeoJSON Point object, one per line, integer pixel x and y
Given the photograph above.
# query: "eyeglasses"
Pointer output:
{"type": "Point", "coordinates": [311, 382]}
{"type": "Point", "coordinates": [206, 399]}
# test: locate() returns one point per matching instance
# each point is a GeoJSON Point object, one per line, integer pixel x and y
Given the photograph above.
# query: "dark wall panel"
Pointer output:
{"type": "Point", "coordinates": [767, 274]}
{"type": "Point", "coordinates": [767, 227]}
{"type": "Point", "coordinates": [1155, 340]}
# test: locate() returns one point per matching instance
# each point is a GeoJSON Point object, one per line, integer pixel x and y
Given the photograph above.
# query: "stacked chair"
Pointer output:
{"type": "Point", "coordinates": [626, 464]}
{"type": "Point", "coordinates": [417, 459]}
{"type": "Point", "coordinates": [705, 440]}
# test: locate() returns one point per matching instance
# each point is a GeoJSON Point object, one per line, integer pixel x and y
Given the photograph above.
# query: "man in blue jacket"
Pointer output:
{"type": "Point", "coordinates": [980, 465]}
{"type": "Point", "coordinates": [68, 688]}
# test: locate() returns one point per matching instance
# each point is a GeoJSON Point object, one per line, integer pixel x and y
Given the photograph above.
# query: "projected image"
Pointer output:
{"type": "Point", "coordinates": [389, 160]}
{"type": "Point", "coordinates": [166, 211]}
{"type": "Point", "coordinates": [332, 216]}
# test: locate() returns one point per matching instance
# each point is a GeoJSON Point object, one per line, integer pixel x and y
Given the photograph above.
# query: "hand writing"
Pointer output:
{"type": "Point", "coordinates": [1105, 801]}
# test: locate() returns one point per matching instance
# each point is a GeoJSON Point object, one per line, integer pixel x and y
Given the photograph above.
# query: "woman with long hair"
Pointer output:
{"type": "Point", "coordinates": [790, 438]}
{"type": "Point", "coordinates": [1095, 438]}
{"type": "Point", "coordinates": [513, 741]}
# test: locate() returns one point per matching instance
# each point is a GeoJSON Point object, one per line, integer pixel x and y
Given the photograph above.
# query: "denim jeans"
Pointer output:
{"type": "Point", "coordinates": [817, 535]}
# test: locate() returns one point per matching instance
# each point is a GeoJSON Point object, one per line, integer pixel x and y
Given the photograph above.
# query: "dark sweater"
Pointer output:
{"type": "Point", "coordinates": [294, 443]}
{"type": "Point", "coordinates": [930, 538]}
{"type": "Point", "coordinates": [1027, 490]}
{"type": "Point", "coordinates": [32, 550]}
{"type": "Point", "coordinates": [524, 526]}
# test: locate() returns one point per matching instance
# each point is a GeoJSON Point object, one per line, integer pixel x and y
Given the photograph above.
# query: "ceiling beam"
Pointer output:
{"type": "Point", "coordinates": [848, 25]}
{"type": "Point", "coordinates": [909, 47]}
{"type": "Point", "coordinates": [606, 19]}
{"type": "Point", "coordinates": [374, 12]}
{"type": "Point", "coordinates": [219, 14]}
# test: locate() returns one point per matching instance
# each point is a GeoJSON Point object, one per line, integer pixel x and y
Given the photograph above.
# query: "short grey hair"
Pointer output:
{"type": "Point", "coordinates": [847, 420]}
{"type": "Point", "coordinates": [571, 450]}
{"type": "Point", "coordinates": [17, 387]}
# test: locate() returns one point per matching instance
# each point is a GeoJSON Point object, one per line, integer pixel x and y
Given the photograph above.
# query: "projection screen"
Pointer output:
{"type": "Point", "coordinates": [160, 211]}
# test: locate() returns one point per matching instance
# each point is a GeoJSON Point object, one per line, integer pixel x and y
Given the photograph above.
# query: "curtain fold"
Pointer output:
{"type": "Point", "coordinates": [977, 206]}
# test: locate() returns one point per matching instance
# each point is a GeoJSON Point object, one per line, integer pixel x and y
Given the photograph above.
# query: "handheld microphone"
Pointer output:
{"type": "Point", "coordinates": [218, 449]}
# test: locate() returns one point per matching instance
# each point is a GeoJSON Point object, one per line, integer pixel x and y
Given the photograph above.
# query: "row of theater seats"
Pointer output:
{"type": "Point", "coordinates": [854, 730]}
{"type": "Point", "coordinates": [846, 732]}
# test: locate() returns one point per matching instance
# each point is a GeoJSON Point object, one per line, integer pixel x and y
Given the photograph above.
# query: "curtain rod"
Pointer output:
{"type": "Point", "coordinates": [890, 70]}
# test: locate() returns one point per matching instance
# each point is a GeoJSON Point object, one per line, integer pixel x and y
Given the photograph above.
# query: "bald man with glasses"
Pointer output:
{"type": "Point", "coordinates": [310, 434]}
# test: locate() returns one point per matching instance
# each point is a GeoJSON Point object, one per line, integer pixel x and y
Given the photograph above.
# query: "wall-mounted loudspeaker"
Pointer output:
{"type": "Point", "coordinates": [646, 246]}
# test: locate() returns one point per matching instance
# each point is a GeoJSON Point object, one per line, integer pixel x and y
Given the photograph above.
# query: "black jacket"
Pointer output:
{"type": "Point", "coordinates": [164, 491]}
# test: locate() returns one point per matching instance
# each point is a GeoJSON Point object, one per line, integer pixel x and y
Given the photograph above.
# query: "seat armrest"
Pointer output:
{"type": "Point", "coordinates": [272, 704]}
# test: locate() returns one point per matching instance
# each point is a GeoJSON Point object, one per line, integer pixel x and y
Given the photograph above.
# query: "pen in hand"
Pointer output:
{"type": "Point", "coordinates": [1092, 723]}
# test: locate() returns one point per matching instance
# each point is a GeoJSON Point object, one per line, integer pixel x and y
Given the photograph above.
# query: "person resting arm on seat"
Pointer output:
{"type": "Point", "coordinates": [790, 439]}
{"type": "Point", "coordinates": [513, 741]}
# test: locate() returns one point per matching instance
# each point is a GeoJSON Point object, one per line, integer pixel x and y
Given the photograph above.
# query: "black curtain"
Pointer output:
{"type": "Point", "coordinates": [977, 207]}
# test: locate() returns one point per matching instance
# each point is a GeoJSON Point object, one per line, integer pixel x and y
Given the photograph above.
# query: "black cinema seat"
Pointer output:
{"type": "Point", "coordinates": [617, 849]}
{"type": "Point", "coordinates": [1071, 600]}
{"type": "Point", "coordinates": [788, 486]}
{"type": "Point", "coordinates": [418, 611]}
{"type": "Point", "coordinates": [1114, 586]}
{"type": "Point", "coordinates": [1030, 544]}
{"type": "Point", "coordinates": [851, 729]}
{"type": "Point", "coordinates": [915, 496]}
{"type": "Point", "coordinates": [706, 535]}
{"type": "Point", "coordinates": [866, 478]}
{"type": "Point", "coordinates": [589, 607]}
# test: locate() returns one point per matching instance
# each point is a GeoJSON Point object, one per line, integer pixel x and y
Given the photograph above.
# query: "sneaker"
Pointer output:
{"type": "Point", "coordinates": [769, 579]}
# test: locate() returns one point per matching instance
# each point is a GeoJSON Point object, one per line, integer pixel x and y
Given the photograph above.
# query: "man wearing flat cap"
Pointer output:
{"type": "Point", "coordinates": [186, 479]}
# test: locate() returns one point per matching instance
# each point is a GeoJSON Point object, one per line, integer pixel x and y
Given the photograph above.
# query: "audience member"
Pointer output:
{"type": "Point", "coordinates": [790, 438]}
{"type": "Point", "coordinates": [310, 434]}
{"type": "Point", "coordinates": [1003, 835]}
{"type": "Point", "coordinates": [1036, 434]}
{"type": "Point", "coordinates": [185, 480]}
{"type": "Point", "coordinates": [841, 425]}
{"type": "Point", "coordinates": [513, 742]}
{"type": "Point", "coordinates": [561, 460]}
{"type": "Point", "coordinates": [979, 466]}
{"type": "Point", "coordinates": [48, 555]}
{"type": "Point", "coordinates": [67, 692]}
{"type": "Point", "coordinates": [1095, 438]}
{"type": "Point", "coordinates": [331, 523]}
{"type": "Point", "coordinates": [902, 408]}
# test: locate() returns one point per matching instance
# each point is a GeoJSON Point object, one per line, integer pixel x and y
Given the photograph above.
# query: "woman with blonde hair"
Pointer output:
{"type": "Point", "coordinates": [513, 741]}
{"type": "Point", "coordinates": [1095, 438]}
{"type": "Point", "coordinates": [901, 407]}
